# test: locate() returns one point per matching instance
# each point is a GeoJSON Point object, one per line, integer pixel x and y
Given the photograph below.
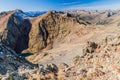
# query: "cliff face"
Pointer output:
{"type": "Point", "coordinates": [15, 32]}
{"type": "Point", "coordinates": [48, 27]}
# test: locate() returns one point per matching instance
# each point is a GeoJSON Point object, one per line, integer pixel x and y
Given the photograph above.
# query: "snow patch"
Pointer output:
{"type": "Point", "coordinates": [25, 15]}
{"type": "Point", "coordinates": [21, 15]}
{"type": "Point", "coordinates": [34, 13]}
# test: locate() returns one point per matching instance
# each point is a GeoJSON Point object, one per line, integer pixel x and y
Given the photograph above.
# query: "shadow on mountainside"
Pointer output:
{"type": "Point", "coordinates": [16, 34]}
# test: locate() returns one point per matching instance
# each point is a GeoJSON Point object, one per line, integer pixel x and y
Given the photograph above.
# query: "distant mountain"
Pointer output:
{"type": "Point", "coordinates": [20, 14]}
{"type": "Point", "coordinates": [24, 15]}
{"type": "Point", "coordinates": [34, 13]}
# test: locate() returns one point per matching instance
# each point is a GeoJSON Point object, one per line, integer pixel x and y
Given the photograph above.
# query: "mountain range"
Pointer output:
{"type": "Point", "coordinates": [60, 45]}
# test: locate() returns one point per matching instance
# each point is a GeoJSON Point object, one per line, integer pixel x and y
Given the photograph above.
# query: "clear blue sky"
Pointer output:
{"type": "Point", "coordinates": [43, 5]}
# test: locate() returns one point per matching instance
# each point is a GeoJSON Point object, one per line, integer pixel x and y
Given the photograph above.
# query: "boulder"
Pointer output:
{"type": "Point", "coordinates": [47, 68]}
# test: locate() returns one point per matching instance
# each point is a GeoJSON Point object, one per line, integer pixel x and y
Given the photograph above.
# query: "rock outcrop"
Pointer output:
{"type": "Point", "coordinates": [11, 62]}
{"type": "Point", "coordinates": [48, 27]}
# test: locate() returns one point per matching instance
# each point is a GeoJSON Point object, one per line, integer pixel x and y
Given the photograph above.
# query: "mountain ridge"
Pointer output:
{"type": "Point", "coordinates": [60, 45]}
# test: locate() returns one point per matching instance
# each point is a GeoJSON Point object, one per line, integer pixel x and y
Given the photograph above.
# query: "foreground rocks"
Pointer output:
{"type": "Point", "coordinates": [100, 64]}
{"type": "Point", "coordinates": [10, 61]}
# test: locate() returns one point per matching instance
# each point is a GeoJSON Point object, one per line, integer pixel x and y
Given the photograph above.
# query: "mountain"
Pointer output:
{"type": "Point", "coordinates": [17, 26]}
{"type": "Point", "coordinates": [60, 45]}
{"type": "Point", "coordinates": [34, 13]}
{"type": "Point", "coordinates": [48, 27]}
{"type": "Point", "coordinates": [36, 33]}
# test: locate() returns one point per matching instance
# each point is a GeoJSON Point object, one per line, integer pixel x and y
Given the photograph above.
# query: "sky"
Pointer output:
{"type": "Point", "coordinates": [45, 5]}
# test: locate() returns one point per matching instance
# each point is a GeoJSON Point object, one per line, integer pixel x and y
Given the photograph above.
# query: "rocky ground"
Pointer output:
{"type": "Point", "coordinates": [61, 46]}
{"type": "Point", "coordinates": [93, 56]}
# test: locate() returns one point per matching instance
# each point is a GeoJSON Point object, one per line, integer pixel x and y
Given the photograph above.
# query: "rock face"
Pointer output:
{"type": "Point", "coordinates": [14, 31]}
{"type": "Point", "coordinates": [48, 27]}
{"type": "Point", "coordinates": [11, 62]}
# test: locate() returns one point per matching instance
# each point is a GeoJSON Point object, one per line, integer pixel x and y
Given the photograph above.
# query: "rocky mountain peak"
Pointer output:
{"type": "Point", "coordinates": [48, 27]}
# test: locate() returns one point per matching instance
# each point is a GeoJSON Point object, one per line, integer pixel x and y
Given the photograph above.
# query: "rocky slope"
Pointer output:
{"type": "Point", "coordinates": [90, 56]}
{"type": "Point", "coordinates": [96, 17]}
{"type": "Point", "coordinates": [10, 62]}
{"type": "Point", "coordinates": [46, 28]}
{"type": "Point", "coordinates": [67, 45]}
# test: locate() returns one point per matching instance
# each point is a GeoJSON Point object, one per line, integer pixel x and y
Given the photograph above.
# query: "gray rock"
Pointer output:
{"type": "Point", "coordinates": [46, 68]}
